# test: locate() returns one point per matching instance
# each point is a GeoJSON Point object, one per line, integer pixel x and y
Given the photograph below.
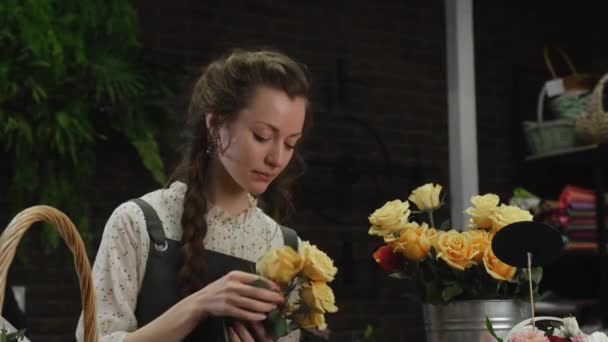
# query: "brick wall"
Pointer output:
{"type": "Point", "coordinates": [380, 125]}
{"type": "Point", "coordinates": [379, 131]}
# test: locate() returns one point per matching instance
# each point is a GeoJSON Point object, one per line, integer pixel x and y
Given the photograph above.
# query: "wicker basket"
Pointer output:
{"type": "Point", "coordinates": [11, 237]}
{"type": "Point", "coordinates": [574, 80]}
{"type": "Point", "coordinates": [546, 136]}
{"type": "Point", "coordinates": [592, 127]}
{"type": "Point", "coordinates": [577, 88]}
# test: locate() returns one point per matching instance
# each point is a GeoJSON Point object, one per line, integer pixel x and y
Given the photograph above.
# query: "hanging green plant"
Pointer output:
{"type": "Point", "coordinates": [72, 71]}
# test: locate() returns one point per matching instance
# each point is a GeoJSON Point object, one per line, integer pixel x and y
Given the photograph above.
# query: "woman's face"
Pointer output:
{"type": "Point", "coordinates": [259, 144]}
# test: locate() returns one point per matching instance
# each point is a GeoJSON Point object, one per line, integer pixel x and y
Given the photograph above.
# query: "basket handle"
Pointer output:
{"type": "Point", "coordinates": [598, 94]}
{"type": "Point", "coordinates": [540, 103]}
{"type": "Point", "coordinates": [12, 235]}
{"type": "Point", "coordinates": [564, 57]}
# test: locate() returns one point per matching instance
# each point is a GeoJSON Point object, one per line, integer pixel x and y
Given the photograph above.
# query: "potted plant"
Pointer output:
{"type": "Point", "coordinates": [71, 75]}
{"type": "Point", "coordinates": [458, 278]}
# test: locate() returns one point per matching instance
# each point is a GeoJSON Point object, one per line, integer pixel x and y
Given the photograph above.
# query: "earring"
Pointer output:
{"type": "Point", "coordinates": [212, 145]}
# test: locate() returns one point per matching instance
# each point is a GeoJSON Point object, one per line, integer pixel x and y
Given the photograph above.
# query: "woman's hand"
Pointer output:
{"type": "Point", "coordinates": [239, 332]}
{"type": "Point", "coordinates": [229, 296]}
{"type": "Point", "coordinates": [234, 296]}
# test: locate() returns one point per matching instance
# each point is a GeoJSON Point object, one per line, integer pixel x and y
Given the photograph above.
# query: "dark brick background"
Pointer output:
{"type": "Point", "coordinates": [380, 126]}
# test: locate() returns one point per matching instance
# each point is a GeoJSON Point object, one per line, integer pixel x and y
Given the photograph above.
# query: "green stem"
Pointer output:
{"type": "Point", "coordinates": [431, 219]}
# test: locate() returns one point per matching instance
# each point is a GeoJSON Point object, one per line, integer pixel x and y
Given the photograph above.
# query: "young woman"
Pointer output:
{"type": "Point", "coordinates": [176, 264]}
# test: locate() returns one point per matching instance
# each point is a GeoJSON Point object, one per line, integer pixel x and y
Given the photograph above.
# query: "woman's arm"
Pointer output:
{"type": "Point", "coordinates": [117, 272]}
{"type": "Point", "coordinates": [173, 325]}
{"type": "Point", "coordinates": [229, 296]}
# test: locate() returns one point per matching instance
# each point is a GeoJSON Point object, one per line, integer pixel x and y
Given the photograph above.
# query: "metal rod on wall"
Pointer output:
{"type": "Point", "coordinates": [462, 127]}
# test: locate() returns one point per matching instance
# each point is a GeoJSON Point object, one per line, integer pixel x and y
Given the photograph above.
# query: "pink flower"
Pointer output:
{"type": "Point", "coordinates": [578, 338]}
{"type": "Point", "coordinates": [529, 334]}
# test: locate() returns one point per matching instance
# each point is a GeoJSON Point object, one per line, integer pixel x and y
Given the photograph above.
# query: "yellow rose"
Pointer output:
{"type": "Point", "coordinates": [496, 268]}
{"type": "Point", "coordinates": [480, 242]}
{"type": "Point", "coordinates": [507, 214]}
{"type": "Point", "coordinates": [317, 265]}
{"type": "Point", "coordinates": [318, 296]}
{"type": "Point", "coordinates": [414, 224]}
{"type": "Point", "coordinates": [413, 244]}
{"type": "Point", "coordinates": [280, 265]}
{"type": "Point", "coordinates": [426, 197]}
{"type": "Point", "coordinates": [456, 250]}
{"type": "Point", "coordinates": [389, 239]}
{"type": "Point", "coordinates": [432, 235]}
{"type": "Point", "coordinates": [311, 320]}
{"type": "Point", "coordinates": [484, 206]}
{"type": "Point", "coordinates": [390, 218]}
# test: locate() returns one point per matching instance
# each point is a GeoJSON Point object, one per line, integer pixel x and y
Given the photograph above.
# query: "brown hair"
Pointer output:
{"type": "Point", "coordinates": [225, 88]}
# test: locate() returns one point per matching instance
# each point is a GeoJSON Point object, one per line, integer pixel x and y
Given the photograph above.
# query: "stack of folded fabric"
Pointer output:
{"type": "Point", "coordinates": [577, 208]}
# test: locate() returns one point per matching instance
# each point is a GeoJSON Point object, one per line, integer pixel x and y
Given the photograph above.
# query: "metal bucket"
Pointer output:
{"type": "Point", "coordinates": [465, 321]}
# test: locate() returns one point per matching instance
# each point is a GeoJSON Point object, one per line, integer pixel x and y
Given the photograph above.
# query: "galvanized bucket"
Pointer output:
{"type": "Point", "coordinates": [465, 321]}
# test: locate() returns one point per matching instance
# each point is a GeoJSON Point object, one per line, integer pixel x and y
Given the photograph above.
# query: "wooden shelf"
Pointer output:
{"type": "Point", "coordinates": [594, 160]}
{"type": "Point", "coordinates": [562, 153]}
{"type": "Point", "coordinates": [582, 247]}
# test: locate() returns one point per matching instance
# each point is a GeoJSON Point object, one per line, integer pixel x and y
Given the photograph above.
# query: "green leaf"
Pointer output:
{"type": "Point", "coordinates": [261, 283]}
{"type": "Point", "coordinates": [491, 330]}
{"type": "Point", "coordinates": [56, 57]}
{"type": "Point", "coordinates": [5, 336]}
{"type": "Point", "coordinates": [116, 80]}
{"type": "Point", "coordinates": [451, 291]}
{"type": "Point", "coordinates": [399, 275]}
{"type": "Point", "coordinates": [148, 152]}
{"type": "Point", "coordinates": [276, 325]}
{"type": "Point", "coordinates": [537, 274]}
{"type": "Point", "coordinates": [523, 193]}
{"type": "Point", "coordinates": [368, 334]}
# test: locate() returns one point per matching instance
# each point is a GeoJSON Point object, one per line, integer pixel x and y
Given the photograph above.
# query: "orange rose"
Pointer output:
{"type": "Point", "coordinates": [480, 242]}
{"type": "Point", "coordinates": [432, 235]}
{"type": "Point", "coordinates": [280, 264]}
{"type": "Point", "coordinates": [311, 320]}
{"type": "Point", "coordinates": [318, 296]}
{"type": "Point", "coordinates": [413, 244]}
{"type": "Point", "coordinates": [456, 250]}
{"type": "Point", "coordinates": [496, 268]}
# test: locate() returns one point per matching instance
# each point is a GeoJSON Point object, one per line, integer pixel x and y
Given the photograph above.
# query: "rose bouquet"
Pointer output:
{"type": "Point", "coordinates": [549, 329]}
{"type": "Point", "coordinates": [448, 264]}
{"type": "Point", "coordinates": [303, 277]}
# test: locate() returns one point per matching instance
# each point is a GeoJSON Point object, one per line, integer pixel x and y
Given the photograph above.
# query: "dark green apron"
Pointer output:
{"type": "Point", "coordinates": [159, 290]}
